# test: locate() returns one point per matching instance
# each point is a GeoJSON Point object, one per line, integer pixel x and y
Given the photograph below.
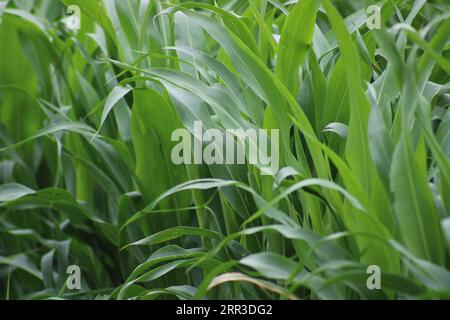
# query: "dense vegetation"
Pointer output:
{"type": "Point", "coordinates": [86, 176]}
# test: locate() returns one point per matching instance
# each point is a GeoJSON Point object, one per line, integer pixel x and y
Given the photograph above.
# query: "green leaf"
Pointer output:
{"type": "Point", "coordinates": [414, 208]}
{"type": "Point", "coordinates": [13, 191]}
{"type": "Point", "coordinates": [173, 233]}
{"type": "Point", "coordinates": [295, 41]}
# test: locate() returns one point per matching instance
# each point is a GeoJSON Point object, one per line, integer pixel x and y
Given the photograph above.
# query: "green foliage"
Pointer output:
{"type": "Point", "coordinates": [86, 176]}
